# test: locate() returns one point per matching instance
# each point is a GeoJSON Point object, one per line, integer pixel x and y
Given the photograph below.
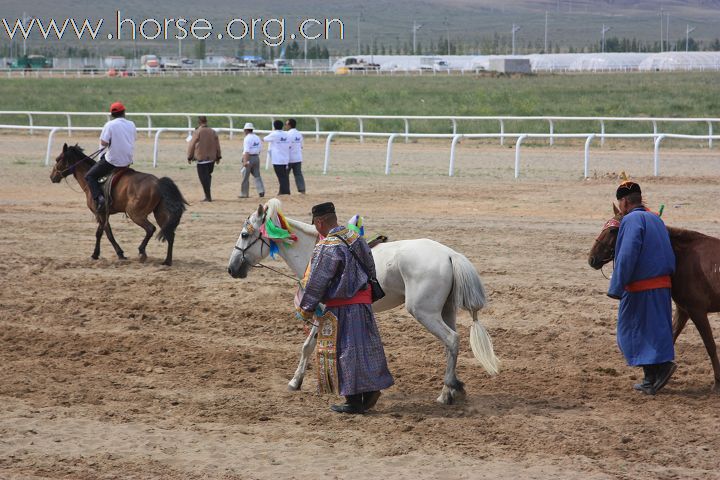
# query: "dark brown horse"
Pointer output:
{"type": "Point", "coordinates": [135, 194]}
{"type": "Point", "coordinates": [695, 284]}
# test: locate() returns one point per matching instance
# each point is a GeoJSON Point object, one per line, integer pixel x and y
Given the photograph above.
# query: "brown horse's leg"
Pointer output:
{"type": "Point", "coordinates": [679, 320]}
{"type": "Point", "coordinates": [149, 228]}
{"type": "Point", "coordinates": [118, 251]}
{"type": "Point", "coordinates": [703, 325]}
{"type": "Point", "coordinates": [98, 235]}
{"type": "Point", "coordinates": [163, 218]}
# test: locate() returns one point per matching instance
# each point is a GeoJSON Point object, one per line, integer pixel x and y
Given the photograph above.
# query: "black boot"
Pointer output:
{"type": "Point", "coordinates": [370, 399]}
{"type": "Point", "coordinates": [647, 385]}
{"type": "Point", "coordinates": [353, 405]}
{"type": "Point", "coordinates": [663, 372]}
{"type": "Point", "coordinates": [100, 204]}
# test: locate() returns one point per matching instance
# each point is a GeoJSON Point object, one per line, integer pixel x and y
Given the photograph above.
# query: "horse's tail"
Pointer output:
{"type": "Point", "coordinates": [173, 203]}
{"type": "Point", "coordinates": [468, 293]}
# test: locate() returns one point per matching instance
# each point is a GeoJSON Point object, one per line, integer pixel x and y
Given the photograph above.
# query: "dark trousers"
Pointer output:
{"type": "Point", "coordinates": [283, 177]}
{"type": "Point", "coordinates": [96, 172]}
{"type": "Point", "coordinates": [205, 171]}
{"type": "Point", "coordinates": [296, 168]}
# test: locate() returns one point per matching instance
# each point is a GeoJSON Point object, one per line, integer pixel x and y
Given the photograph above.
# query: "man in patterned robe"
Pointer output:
{"type": "Point", "coordinates": [644, 262]}
{"type": "Point", "coordinates": [338, 280]}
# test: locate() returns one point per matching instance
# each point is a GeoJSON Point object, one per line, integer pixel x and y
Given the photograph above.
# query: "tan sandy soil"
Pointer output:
{"type": "Point", "coordinates": [112, 369]}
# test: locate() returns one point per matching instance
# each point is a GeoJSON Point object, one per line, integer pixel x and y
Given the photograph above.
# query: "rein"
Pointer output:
{"type": "Point", "coordinates": [71, 168]}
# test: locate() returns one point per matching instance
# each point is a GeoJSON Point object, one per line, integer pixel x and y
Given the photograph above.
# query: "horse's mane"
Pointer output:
{"type": "Point", "coordinates": [274, 206]}
{"type": "Point", "coordinates": [77, 149]}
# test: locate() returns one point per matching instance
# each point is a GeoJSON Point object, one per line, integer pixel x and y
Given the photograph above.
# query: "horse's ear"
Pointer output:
{"type": "Point", "coordinates": [616, 211]}
{"type": "Point", "coordinates": [65, 147]}
{"type": "Point", "coordinates": [260, 211]}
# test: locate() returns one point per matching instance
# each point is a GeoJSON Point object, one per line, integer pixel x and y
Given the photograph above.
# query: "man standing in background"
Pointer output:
{"type": "Point", "coordinates": [280, 155]}
{"type": "Point", "coordinates": [296, 157]}
{"type": "Point", "coordinates": [252, 145]}
{"type": "Point", "coordinates": [204, 148]}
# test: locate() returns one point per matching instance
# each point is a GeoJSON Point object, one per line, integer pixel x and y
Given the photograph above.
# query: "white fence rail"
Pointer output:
{"type": "Point", "coordinates": [520, 137]}
{"type": "Point", "coordinates": [552, 121]}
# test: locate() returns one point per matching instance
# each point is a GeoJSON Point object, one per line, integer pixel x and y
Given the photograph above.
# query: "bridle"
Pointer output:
{"type": "Point", "coordinates": [264, 242]}
{"type": "Point", "coordinates": [611, 224]}
{"type": "Point", "coordinates": [71, 169]}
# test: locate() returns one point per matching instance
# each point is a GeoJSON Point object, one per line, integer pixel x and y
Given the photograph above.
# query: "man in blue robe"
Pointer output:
{"type": "Point", "coordinates": [644, 262]}
{"type": "Point", "coordinates": [337, 279]}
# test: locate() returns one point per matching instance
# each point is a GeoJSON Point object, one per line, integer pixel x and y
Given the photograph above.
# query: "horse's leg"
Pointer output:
{"type": "Point", "coordinates": [679, 320]}
{"type": "Point", "coordinates": [98, 235]}
{"type": "Point", "coordinates": [449, 315]}
{"type": "Point", "coordinates": [703, 325]}
{"type": "Point", "coordinates": [149, 228]}
{"type": "Point", "coordinates": [118, 251]}
{"type": "Point", "coordinates": [305, 353]}
{"type": "Point", "coordinates": [427, 309]}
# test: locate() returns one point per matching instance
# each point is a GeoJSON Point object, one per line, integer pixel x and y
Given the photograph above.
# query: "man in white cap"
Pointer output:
{"type": "Point", "coordinates": [252, 145]}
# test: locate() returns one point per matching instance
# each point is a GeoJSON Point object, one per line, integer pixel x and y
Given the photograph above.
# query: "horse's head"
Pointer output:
{"type": "Point", "coordinates": [65, 162]}
{"type": "Point", "coordinates": [250, 247]}
{"type": "Point", "coordinates": [603, 250]}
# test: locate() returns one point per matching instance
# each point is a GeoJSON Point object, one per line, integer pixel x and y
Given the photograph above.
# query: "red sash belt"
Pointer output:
{"type": "Point", "coordinates": [649, 284]}
{"type": "Point", "coordinates": [363, 296]}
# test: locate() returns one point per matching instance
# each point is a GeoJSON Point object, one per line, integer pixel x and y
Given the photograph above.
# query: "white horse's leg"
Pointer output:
{"type": "Point", "coordinates": [305, 353]}
{"type": "Point", "coordinates": [451, 395]}
{"type": "Point", "coordinates": [428, 313]}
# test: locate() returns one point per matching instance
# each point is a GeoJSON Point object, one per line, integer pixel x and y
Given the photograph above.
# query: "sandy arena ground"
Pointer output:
{"type": "Point", "coordinates": [112, 369]}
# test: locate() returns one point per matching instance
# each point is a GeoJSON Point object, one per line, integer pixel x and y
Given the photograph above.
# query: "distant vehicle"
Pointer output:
{"type": "Point", "coordinates": [150, 63]}
{"type": "Point", "coordinates": [352, 64]}
{"type": "Point", "coordinates": [434, 64]}
{"type": "Point", "coordinates": [31, 62]}
{"type": "Point", "coordinates": [253, 61]}
{"type": "Point", "coordinates": [282, 66]}
{"type": "Point", "coordinates": [90, 69]}
{"type": "Point", "coordinates": [116, 62]}
{"type": "Point", "coordinates": [178, 63]}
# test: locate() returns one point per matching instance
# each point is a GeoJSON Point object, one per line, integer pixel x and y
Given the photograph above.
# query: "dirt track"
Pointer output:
{"type": "Point", "coordinates": [114, 369]}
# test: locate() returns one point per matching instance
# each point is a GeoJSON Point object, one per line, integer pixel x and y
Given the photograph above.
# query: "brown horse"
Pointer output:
{"type": "Point", "coordinates": [136, 194]}
{"type": "Point", "coordinates": [695, 284]}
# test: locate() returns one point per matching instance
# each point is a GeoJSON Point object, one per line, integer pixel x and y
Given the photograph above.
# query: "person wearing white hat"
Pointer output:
{"type": "Point", "coordinates": [252, 145]}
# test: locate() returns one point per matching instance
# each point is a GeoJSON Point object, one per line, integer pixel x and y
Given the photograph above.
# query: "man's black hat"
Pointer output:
{"type": "Point", "coordinates": [322, 209]}
{"type": "Point", "coordinates": [626, 188]}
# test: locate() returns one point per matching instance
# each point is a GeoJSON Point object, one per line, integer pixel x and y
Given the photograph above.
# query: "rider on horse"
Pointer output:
{"type": "Point", "coordinates": [118, 136]}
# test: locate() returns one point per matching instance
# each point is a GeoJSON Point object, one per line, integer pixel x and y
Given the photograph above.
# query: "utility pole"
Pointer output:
{"type": "Point", "coordinates": [25, 18]}
{"type": "Point", "coordinates": [667, 32]}
{"type": "Point", "coordinates": [515, 28]}
{"type": "Point", "coordinates": [662, 38]}
{"type": "Point", "coordinates": [358, 30]}
{"type": "Point", "coordinates": [416, 27]}
{"type": "Point", "coordinates": [447, 34]}
{"type": "Point", "coordinates": [688, 31]}
{"type": "Point", "coordinates": [545, 50]}
{"type": "Point", "coordinates": [604, 31]}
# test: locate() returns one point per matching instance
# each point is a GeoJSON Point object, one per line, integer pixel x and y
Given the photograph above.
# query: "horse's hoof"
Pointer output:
{"type": "Point", "coordinates": [94, 257]}
{"type": "Point", "coordinates": [445, 398]}
{"type": "Point", "coordinates": [143, 257]}
{"type": "Point", "coordinates": [294, 386]}
{"type": "Point", "coordinates": [167, 264]}
{"type": "Point", "coordinates": [716, 387]}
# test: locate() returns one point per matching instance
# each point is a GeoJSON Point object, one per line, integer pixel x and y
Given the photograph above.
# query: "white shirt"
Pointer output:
{"type": "Point", "coordinates": [120, 133]}
{"type": "Point", "coordinates": [296, 145]}
{"type": "Point", "coordinates": [252, 144]}
{"type": "Point", "coordinates": [279, 147]}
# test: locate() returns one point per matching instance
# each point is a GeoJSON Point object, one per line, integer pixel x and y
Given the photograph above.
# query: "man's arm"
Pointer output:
{"type": "Point", "coordinates": [324, 266]}
{"type": "Point", "coordinates": [629, 244]}
{"type": "Point", "coordinates": [191, 146]}
{"type": "Point", "coordinates": [219, 152]}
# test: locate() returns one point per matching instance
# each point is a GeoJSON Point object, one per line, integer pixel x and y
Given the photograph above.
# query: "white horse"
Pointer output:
{"type": "Point", "coordinates": [431, 279]}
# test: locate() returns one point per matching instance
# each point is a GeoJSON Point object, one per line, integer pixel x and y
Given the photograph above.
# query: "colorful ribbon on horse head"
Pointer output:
{"type": "Point", "coordinates": [275, 233]}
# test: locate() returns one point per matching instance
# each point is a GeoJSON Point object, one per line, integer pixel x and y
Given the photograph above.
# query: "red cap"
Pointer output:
{"type": "Point", "coordinates": [117, 107]}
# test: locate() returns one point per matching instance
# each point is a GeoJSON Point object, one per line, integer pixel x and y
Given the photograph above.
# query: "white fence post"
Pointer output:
{"type": "Point", "coordinates": [230, 119]}
{"type": "Point", "coordinates": [360, 124]}
{"type": "Point", "coordinates": [710, 132]}
{"type": "Point", "coordinates": [69, 125]}
{"type": "Point", "coordinates": [453, 145]}
{"type": "Point", "coordinates": [587, 154]}
{"type": "Point", "coordinates": [317, 129]}
{"type": "Point", "coordinates": [454, 123]}
{"type": "Point", "coordinates": [502, 132]}
{"type": "Point", "coordinates": [327, 152]}
{"type": "Point", "coordinates": [30, 119]}
{"type": "Point", "coordinates": [552, 131]}
{"type": "Point", "coordinates": [388, 156]}
{"type": "Point", "coordinates": [656, 167]}
{"type": "Point", "coordinates": [49, 145]}
{"type": "Point", "coordinates": [602, 133]}
{"type": "Point", "coordinates": [407, 130]}
{"type": "Point", "coordinates": [149, 123]}
{"type": "Point", "coordinates": [155, 147]}
{"type": "Point", "coordinates": [517, 154]}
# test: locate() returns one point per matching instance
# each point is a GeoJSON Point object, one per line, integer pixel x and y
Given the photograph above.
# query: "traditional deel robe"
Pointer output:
{"type": "Point", "coordinates": [335, 274]}
{"type": "Point", "coordinates": [642, 253]}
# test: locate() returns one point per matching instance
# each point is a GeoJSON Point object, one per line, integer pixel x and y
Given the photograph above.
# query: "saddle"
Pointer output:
{"type": "Point", "coordinates": [108, 182]}
{"type": "Point", "coordinates": [377, 240]}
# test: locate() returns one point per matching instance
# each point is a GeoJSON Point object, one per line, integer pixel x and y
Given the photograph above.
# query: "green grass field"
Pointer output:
{"type": "Point", "coordinates": [636, 94]}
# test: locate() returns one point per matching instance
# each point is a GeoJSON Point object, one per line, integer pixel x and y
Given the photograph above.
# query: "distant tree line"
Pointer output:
{"type": "Point", "coordinates": [497, 44]}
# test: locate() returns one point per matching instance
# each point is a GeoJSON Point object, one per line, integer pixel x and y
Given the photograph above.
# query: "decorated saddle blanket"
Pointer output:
{"type": "Point", "coordinates": [110, 180]}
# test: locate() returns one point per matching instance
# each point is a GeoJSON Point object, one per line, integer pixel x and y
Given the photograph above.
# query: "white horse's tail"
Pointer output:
{"type": "Point", "coordinates": [469, 294]}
